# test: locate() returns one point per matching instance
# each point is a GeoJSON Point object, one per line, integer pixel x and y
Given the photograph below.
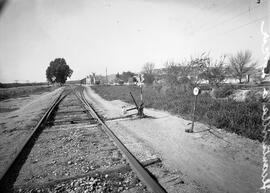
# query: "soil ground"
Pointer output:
{"type": "Point", "coordinates": [17, 120]}
{"type": "Point", "coordinates": [213, 160]}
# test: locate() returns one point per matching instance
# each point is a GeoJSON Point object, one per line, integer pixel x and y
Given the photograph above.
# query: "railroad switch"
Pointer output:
{"type": "Point", "coordinates": [140, 111]}
{"type": "Point", "coordinates": [139, 108]}
{"type": "Point", "coordinates": [189, 130]}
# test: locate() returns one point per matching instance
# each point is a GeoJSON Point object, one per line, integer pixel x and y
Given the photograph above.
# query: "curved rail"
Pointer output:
{"type": "Point", "coordinates": [4, 177]}
{"type": "Point", "coordinates": [144, 176]}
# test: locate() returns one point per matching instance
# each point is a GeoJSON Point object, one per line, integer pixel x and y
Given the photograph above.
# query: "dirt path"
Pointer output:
{"type": "Point", "coordinates": [220, 161]}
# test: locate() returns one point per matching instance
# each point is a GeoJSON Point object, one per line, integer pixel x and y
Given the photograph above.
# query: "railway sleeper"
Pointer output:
{"type": "Point", "coordinates": [74, 121]}
{"type": "Point", "coordinates": [71, 116]}
{"type": "Point", "coordinates": [120, 176]}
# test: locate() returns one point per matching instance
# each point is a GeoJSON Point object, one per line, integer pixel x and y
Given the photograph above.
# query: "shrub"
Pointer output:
{"type": "Point", "coordinates": [254, 95]}
{"type": "Point", "coordinates": [223, 91]}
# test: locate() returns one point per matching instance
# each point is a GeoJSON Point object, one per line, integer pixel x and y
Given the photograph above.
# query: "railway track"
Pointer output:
{"type": "Point", "coordinates": [72, 150]}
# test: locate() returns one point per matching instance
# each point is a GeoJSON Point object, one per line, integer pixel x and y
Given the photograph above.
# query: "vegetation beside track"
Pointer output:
{"type": "Point", "coordinates": [6, 93]}
{"type": "Point", "coordinates": [242, 118]}
{"type": "Point", "coordinates": [11, 85]}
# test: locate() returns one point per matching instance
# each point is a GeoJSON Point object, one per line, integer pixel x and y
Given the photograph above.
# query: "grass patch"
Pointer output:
{"type": "Point", "coordinates": [243, 118]}
{"type": "Point", "coordinates": [6, 93]}
{"type": "Point", "coordinates": [10, 85]}
{"type": "Point", "coordinates": [6, 110]}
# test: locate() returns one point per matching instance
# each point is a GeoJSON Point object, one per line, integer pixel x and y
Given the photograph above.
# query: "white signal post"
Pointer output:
{"type": "Point", "coordinates": [139, 107]}
{"type": "Point", "coordinates": [196, 92]}
{"type": "Point", "coordinates": [140, 80]}
{"type": "Point", "coordinates": [141, 85]}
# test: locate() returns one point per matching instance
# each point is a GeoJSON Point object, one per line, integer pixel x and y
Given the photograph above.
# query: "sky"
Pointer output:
{"type": "Point", "coordinates": [123, 35]}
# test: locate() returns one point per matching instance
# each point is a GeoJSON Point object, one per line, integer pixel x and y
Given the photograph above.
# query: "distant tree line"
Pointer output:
{"type": "Point", "coordinates": [126, 76]}
{"type": "Point", "coordinates": [204, 68]}
{"type": "Point", "coordinates": [10, 85]}
{"type": "Point", "coordinates": [147, 71]}
{"type": "Point", "coordinates": [197, 69]}
{"type": "Point", "coordinates": [187, 73]}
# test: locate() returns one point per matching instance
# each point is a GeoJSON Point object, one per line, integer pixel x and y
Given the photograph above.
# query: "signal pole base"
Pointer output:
{"type": "Point", "coordinates": [140, 112]}
{"type": "Point", "coordinates": [189, 130]}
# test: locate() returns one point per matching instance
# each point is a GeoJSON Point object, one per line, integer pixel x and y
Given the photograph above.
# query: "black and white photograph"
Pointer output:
{"type": "Point", "coordinates": [134, 96]}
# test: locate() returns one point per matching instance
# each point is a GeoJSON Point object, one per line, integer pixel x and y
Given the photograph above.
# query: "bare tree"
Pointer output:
{"type": "Point", "coordinates": [186, 72]}
{"type": "Point", "coordinates": [148, 71]}
{"type": "Point", "coordinates": [148, 68]}
{"type": "Point", "coordinates": [214, 71]}
{"type": "Point", "coordinates": [240, 65]}
{"type": "Point", "coordinates": [173, 71]}
{"type": "Point", "coordinates": [190, 73]}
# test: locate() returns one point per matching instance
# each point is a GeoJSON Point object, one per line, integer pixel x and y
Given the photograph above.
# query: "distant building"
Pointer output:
{"type": "Point", "coordinates": [132, 81]}
{"type": "Point", "coordinates": [118, 81]}
{"type": "Point", "coordinates": [88, 80]}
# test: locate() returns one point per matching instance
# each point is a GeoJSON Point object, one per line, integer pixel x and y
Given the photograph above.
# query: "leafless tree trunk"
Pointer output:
{"type": "Point", "coordinates": [240, 65]}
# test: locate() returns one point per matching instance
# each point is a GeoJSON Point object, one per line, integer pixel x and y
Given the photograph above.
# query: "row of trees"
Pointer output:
{"type": "Point", "coordinates": [126, 76]}
{"type": "Point", "coordinates": [199, 68]}
{"type": "Point", "coordinates": [204, 68]}
{"type": "Point", "coordinates": [147, 70]}
{"type": "Point", "coordinates": [189, 71]}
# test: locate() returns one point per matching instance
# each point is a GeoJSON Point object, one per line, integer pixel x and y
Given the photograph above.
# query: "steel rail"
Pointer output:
{"type": "Point", "coordinates": [143, 175]}
{"type": "Point", "coordinates": [12, 162]}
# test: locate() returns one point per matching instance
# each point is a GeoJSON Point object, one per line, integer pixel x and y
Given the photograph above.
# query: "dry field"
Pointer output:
{"type": "Point", "coordinates": [24, 91]}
